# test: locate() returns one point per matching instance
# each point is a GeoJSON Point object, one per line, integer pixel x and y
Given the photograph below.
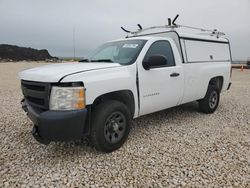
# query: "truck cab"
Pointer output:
{"type": "Point", "coordinates": [124, 79]}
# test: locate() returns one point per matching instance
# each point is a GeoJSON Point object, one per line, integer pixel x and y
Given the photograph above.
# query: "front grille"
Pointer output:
{"type": "Point", "coordinates": [36, 93]}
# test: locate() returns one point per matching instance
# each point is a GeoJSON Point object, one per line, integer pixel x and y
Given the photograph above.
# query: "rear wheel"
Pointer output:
{"type": "Point", "coordinates": [211, 100]}
{"type": "Point", "coordinates": [110, 125]}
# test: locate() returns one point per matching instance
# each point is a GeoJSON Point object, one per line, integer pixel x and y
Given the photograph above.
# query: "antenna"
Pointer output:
{"type": "Point", "coordinates": [74, 44]}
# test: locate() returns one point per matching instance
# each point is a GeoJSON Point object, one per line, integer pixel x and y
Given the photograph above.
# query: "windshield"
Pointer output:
{"type": "Point", "coordinates": [122, 52]}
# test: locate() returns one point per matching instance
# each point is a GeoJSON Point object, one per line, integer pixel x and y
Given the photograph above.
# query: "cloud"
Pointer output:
{"type": "Point", "coordinates": [50, 24]}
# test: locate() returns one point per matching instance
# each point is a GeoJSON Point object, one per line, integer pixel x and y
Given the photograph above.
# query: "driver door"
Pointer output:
{"type": "Point", "coordinates": [160, 87]}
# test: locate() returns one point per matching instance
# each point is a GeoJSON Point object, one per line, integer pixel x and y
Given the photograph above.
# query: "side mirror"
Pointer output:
{"type": "Point", "coordinates": [154, 61]}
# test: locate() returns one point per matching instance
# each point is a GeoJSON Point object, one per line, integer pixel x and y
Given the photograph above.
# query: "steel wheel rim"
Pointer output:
{"type": "Point", "coordinates": [213, 99]}
{"type": "Point", "coordinates": [114, 128]}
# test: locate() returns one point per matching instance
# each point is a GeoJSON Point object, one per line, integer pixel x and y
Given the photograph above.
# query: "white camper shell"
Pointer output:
{"type": "Point", "coordinates": [196, 48]}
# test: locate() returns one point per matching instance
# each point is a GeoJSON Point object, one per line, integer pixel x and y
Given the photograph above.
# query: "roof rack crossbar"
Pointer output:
{"type": "Point", "coordinates": [140, 30]}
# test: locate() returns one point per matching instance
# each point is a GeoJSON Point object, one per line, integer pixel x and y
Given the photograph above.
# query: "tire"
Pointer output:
{"type": "Point", "coordinates": [211, 100]}
{"type": "Point", "coordinates": [110, 126]}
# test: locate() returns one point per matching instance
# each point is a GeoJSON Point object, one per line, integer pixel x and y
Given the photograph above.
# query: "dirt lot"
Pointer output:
{"type": "Point", "coordinates": [175, 147]}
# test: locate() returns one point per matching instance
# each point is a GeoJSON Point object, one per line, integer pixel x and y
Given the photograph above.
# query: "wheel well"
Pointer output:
{"type": "Point", "coordinates": [124, 96]}
{"type": "Point", "coordinates": [217, 81]}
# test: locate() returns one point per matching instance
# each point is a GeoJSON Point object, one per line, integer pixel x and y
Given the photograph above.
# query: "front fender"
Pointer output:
{"type": "Point", "coordinates": [100, 82]}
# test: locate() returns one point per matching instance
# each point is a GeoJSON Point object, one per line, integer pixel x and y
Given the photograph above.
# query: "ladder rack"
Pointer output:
{"type": "Point", "coordinates": [172, 26]}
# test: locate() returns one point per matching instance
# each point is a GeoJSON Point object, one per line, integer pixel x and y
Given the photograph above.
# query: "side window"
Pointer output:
{"type": "Point", "coordinates": [161, 48]}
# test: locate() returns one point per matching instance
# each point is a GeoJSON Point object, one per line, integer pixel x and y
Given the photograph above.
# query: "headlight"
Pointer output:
{"type": "Point", "coordinates": [67, 98]}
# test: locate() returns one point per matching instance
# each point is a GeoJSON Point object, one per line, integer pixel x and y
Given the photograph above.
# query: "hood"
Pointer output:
{"type": "Point", "coordinates": [54, 72]}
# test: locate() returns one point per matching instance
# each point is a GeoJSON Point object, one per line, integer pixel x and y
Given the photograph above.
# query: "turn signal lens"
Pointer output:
{"type": "Point", "coordinates": [81, 93]}
{"type": "Point", "coordinates": [80, 105]}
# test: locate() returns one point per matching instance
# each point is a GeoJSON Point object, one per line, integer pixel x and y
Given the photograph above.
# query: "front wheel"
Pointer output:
{"type": "Point", "coordinates": [211, 100]}
{"type": "Point", "coordinates": [110, 125]}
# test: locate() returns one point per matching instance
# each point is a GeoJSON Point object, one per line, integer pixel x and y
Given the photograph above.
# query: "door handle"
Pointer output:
{"type": "Point", "coordinates": [174, 74]}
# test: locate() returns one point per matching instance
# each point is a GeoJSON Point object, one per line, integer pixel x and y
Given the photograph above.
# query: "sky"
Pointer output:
{"type": "Point", "coordinates": [50, 24]}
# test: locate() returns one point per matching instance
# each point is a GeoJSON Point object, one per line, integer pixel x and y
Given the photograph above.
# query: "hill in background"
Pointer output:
{"type": "Point", "coordinates": [16, 53]}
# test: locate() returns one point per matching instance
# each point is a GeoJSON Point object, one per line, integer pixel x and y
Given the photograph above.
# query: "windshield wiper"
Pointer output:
{"type": "Point", "coordinates": [84, 60]}
{"type": "Point", "coordinates": [102, 60]}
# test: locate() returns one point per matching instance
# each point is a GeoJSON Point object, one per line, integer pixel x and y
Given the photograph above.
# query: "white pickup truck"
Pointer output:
{"type": "Point", "coordinates": [124, 79]}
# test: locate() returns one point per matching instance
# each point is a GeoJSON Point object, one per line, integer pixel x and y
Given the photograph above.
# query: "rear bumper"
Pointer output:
{"type": "Point", "coordinates": [56, 125]}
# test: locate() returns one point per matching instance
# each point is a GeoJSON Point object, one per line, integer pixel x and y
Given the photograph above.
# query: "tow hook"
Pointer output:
{"type": "Point", "coordinates": [24, 106]}
{"type": "Point", "coordinates": [38, 138]}
{"type": "Point", "coordinates": [229, 85]}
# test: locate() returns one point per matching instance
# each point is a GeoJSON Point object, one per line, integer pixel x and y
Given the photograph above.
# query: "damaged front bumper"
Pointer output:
{"type": "Point", "coordinates": [56, 125]}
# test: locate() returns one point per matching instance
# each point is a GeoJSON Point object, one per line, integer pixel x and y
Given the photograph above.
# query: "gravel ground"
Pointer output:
{"type": "Point", "coordinates": [175, 147]}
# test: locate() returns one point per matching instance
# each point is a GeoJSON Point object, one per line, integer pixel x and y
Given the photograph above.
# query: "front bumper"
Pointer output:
{"type": "Point", "coordinates": [56, 125]}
